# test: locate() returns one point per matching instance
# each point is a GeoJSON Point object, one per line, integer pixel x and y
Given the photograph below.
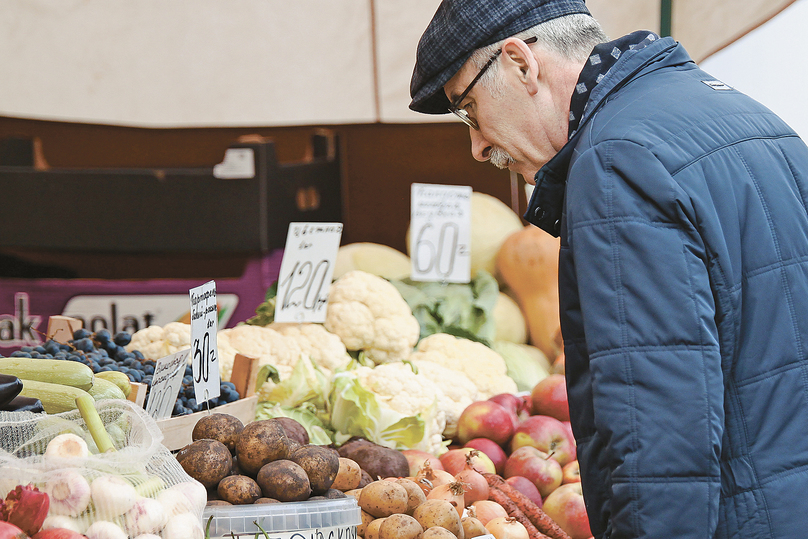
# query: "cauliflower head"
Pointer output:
{"type": "Point", "coordinates": [368, 313]}
{"type": "Point", "coordinates": [483, 366]}
{"type": "Point", "coordinates": [156, 342]}
{"type": "Point", "coordinates": [324, 348]}
{"type": "Point", "coordinates": [458, 392]}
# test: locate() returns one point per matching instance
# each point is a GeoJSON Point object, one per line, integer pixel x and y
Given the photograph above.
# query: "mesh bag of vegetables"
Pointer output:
{"type": "Point", "coordinates": [106, 477]}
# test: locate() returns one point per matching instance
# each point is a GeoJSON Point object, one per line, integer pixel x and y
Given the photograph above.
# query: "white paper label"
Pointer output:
{"type": "Point", "coordinates": [440, 233]}
{"type": "Point", "coordinates": [238, 163]}
{"type": "Point", "coordinates": [204, 350]}
{"type": "Point", "coordinates": [168, 375]}
{"type": "Point", "coordinates": [306, 271]}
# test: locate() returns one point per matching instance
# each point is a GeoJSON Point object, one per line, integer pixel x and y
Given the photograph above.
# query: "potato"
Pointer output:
{"type": "Point", "coordinates": [334, 494]}
{"type": "Point", "coordinates": [294, 430]}
{"type": "Point", "coordinates": [400, 526]}
{"type": "Point", "coordinates": [383, 498]}
{"type": "Point", "coordinates": [348, 476]}
{"type": "Point", "coordinates": [439, 513]}
{"type": "Point", "coordinates": [372, 529]}
{"type": "Point", "coordinates": [266, 500]}
{"type": "Point", "coordinates": [472, 527]}
{"type": "Point", "coordinates": [224, 428]}
{"type": "Point", "coordinates": [261, 442]}
{"type": "Point", "coordinates": [215, 503]}
{"type": "Point", "coordinates": [415, 496]}
{"type": "Point", "coordinates": [367, 518]}
{"type": "Point", "coordinates": [321, 464]}
{"type": "Point", "coordinates": [207, 461]}
{"type": "Point", "coordinates": [238, 489]}
{"type": "Point", "coordinates": [284, 481]}
{"type": "Point", "coordinates": [436, 532]}
{"type": "Point", "coordinates": [377, 460]}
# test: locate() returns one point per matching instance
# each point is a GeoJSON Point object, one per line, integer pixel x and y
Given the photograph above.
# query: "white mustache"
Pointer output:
{"type": "Point", "coordinates": [500, 158]}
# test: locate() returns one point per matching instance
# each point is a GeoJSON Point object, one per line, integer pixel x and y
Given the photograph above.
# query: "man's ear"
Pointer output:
{"type": "Point", "coordinates": [517, 55]}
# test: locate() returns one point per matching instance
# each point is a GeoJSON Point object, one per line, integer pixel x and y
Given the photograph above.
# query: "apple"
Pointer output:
{"type": "Point", "coordinates": [518, 405]}
{"type": "Point", "coordinates": [536, 466]}
{"type": "Point", "coordinates": [493, 450]}
{"type": "Point", "coordinates": [547, 434]}
{"type": "Point", "coordinates": [454, 461]}
{"type": "Point", "coordinates": [549, 397]}
{"type": "Point", "coordinates": [416, 458]}
{"type": "Point", "coordinates": [571, 472]}
{"type": "Point", "coordinates": [565, 505]}
{"type": "Point", "coordinates": [526, 487]}
{"type": "Point", "coordinates": [485, 419]}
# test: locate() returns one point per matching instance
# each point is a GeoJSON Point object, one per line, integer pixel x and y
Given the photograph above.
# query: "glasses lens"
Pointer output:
{"type": "Point", "coordinates": [463, 115]}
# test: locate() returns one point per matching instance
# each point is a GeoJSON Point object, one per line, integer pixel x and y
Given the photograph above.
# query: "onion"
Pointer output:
{"type": "Point", "coordinates": [451, 492]}
{"type": "Point", "coordinates": [507, 528]}
{"type": "Point", "coordinates": [487, 510]}
{"type": "Point", "coordinates": [474, 484]}
{"type": "Point", "coordinates": [436, 477]}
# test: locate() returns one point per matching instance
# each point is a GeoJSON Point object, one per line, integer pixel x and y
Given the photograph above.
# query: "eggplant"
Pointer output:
{"type": "Point", "coordinates": [23, 404]}
{"type": "Point", "coordinates": [10, 387]}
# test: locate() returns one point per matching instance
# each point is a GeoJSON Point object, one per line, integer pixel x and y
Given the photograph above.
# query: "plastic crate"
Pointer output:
{"type": "Point", "coordinates": [315, 519]}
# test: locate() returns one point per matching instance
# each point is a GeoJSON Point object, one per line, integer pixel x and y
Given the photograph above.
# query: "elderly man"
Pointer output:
{"type": "Point", "coordinates": [681, 207]}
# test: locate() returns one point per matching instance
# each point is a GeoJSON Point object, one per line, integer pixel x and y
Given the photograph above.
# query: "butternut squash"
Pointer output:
{"type": "Point", "coordinates": [528, 264]}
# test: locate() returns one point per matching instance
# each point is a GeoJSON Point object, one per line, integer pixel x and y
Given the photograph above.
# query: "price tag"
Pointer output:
{"type": "Point", "coordinates": [306, 271]}
{"type": "Point", "coordinates": [166, 384]}
{"type": "Point", "coordinates": [440, 233]}
{"type": "Point", "coordinates": [204, 349]}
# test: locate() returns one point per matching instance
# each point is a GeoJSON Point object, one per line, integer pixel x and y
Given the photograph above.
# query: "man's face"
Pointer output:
{"type": "Point", "coordinates": [522, 121]}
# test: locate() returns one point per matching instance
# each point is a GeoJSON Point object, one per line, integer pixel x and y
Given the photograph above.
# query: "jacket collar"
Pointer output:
{"type": "Point", "coordinates": [546, 204]}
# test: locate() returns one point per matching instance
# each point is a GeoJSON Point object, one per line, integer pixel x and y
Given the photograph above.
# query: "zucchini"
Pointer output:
{"type": "Point", "coordinates": [54, 371]}
{"type": "Point", "coordinates": [104, 389]}
{"type": "Point", "coordinates": [56, 398]}
{"type": "Point", "coordinates": [118, 378]}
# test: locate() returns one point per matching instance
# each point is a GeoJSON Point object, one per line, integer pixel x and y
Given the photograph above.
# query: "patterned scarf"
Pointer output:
{"type": "Point", "coordinates": [603, 57]}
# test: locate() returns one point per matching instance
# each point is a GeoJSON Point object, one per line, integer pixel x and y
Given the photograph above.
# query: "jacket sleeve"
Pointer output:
{"type": "Point", "coordinates": [649, 356]}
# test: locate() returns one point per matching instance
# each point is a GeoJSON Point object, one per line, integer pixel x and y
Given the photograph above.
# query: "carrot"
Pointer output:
{"type": "Point", "coordinates": [496, 495]}
{"type": "Point", "coordinates": [533, 512]}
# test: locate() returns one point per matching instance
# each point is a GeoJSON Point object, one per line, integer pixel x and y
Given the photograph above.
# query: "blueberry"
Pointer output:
{"type": "Point", "coordinates": [20, 353]}
{"type": "Point", "coordinates": [122, 338]}
{"type": "Point", "coordinates": [140, 357]}
{"type": "Point", "coordinates": [28, 349]}
{"type": "Point", "coordinates": [103, 335]}
{"type": "Point", "coordinates": [85, 344]}
{"type": "Point", "coordinates": [81, 334]}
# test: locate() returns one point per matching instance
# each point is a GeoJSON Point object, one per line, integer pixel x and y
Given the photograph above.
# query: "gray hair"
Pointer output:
{"type": "Point", "coordinates": [572, 36]}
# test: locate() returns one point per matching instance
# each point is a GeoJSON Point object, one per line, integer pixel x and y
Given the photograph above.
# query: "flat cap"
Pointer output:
{"type": "Point", "coordinates": [459, 27]}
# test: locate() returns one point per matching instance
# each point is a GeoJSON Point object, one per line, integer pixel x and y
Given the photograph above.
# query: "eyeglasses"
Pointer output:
{"type": "Point", "coordinates": [462, 113]}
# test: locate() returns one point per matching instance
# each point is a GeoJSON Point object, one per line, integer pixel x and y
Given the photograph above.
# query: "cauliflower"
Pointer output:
{"type": "Point", "coordinates": [391, 406]}
{"type": "Point", "coordinates": [368, 313]}
{"type": "Point", "coordinates": [458, 392]}
{"type": "Point", "coordinates": [323, 347]}
{"type": "Point", "coordinates": [156, 342]}
{"type": "Point", "coordinates": [482, 365]}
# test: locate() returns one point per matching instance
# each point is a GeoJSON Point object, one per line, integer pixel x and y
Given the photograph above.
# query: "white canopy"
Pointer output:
{"type": "Point", "coordinates": [217, 63]}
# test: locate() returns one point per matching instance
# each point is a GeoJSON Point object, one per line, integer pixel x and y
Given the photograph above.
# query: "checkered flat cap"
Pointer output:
{"type": "Point", "coordinates": [459, 27]}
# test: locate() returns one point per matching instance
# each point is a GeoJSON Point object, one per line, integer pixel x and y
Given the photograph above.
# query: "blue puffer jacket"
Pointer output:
{"type": "Point", "coordinates": [681, 206]}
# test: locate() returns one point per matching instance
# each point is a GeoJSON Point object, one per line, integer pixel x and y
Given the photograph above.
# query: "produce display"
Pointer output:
{"type": "Point", "coordinates": [440, 408]}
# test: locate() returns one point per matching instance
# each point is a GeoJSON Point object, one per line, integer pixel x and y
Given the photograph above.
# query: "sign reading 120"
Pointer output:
{"type": "Point", "coordinates": [440, 233]}
{"type": "Point", "coordinates": [306, 271]}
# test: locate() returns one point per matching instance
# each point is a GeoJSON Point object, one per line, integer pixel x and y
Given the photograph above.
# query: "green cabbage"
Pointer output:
{"type": "Point", "coordinates": [526, 364]}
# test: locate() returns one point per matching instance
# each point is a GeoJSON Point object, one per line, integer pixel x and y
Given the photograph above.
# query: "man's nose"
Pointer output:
{"type": "Point", "coordinates": [480, 147]}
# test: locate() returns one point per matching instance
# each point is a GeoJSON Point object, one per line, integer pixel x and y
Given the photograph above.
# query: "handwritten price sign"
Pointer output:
{"type": "Point", "coordinates": [440, 233]}
{"type": "Point", "coordinates": [168, 374]}
{"type": "Point", "coordinates": [204, 348]}
{"type": "Point", "coordinates": [306, 271]}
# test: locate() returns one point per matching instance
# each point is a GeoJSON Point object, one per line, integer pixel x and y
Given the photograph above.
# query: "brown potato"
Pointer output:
{"type": "Point", "coordinates": [348, 476]}
{"type": "Point", "coordinates": [367, 518]}
{"type": "Point", "coordinates": [294, 430]}
{"type": "Point", "coordinates": [372, 529]}
{"type": "Point", "coordinates": [436, 532]}
{"type": "Point", "coordinates": [207, 461]}
{"type": "Point", "coordinates": [238, 489]}
{"type": "Point", "coordinates": [354, 492]}
{"type": "Point", "coordinates": [214, 503]}
{"type": "Point", "coordinates": [377, 460]}
{"type": "Point", "coordinates": [472, 527]}
{"type": "Point", "coordinates": [415, 496]}
{"type": "Point", "coordinates": [224, 428]}
{"type": "Point", "coordinates": [321, 464]}
{"type": "Point", "coordinates": [266, 500]}
{"type": "Point", "coordinates": [261, 442]}
{"type": "Point", "coordinates": [400, 526]}
{"type": "Point", "coordinates": [439, 513]}
{"type": "Point", "coordinates": [284, 481]}
{"type": "Point", "coordinates": [383, 498]}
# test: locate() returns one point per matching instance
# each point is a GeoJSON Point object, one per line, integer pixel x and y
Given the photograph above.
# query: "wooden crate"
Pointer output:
{"type": "Point", "coordinates": [177, 430]}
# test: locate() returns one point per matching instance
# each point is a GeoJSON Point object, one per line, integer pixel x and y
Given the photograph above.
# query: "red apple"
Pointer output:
{"type": "Point", "coordinates": [549, 397]}
{"type": "Point", "coordinates": [513, 403]}
{"type": "Point", "coordinates": [526, 487]}
{"type": "Point", "coordinates": [571, 472]}
{"type": "Point", "coordinates": [566, 506]}
{"type": "Point", "coordinates": [545, 433]}
{"type": "Point", "coordinates": [454, 460]}
{"type": "Point", "coordinates": [493, 450]}
{"type": "Point", "coordinates": [416, 458]}
{"type": "Point", "coordinates": [485, 419]}
{"type": "Point", "coordinates": [536, 466]}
